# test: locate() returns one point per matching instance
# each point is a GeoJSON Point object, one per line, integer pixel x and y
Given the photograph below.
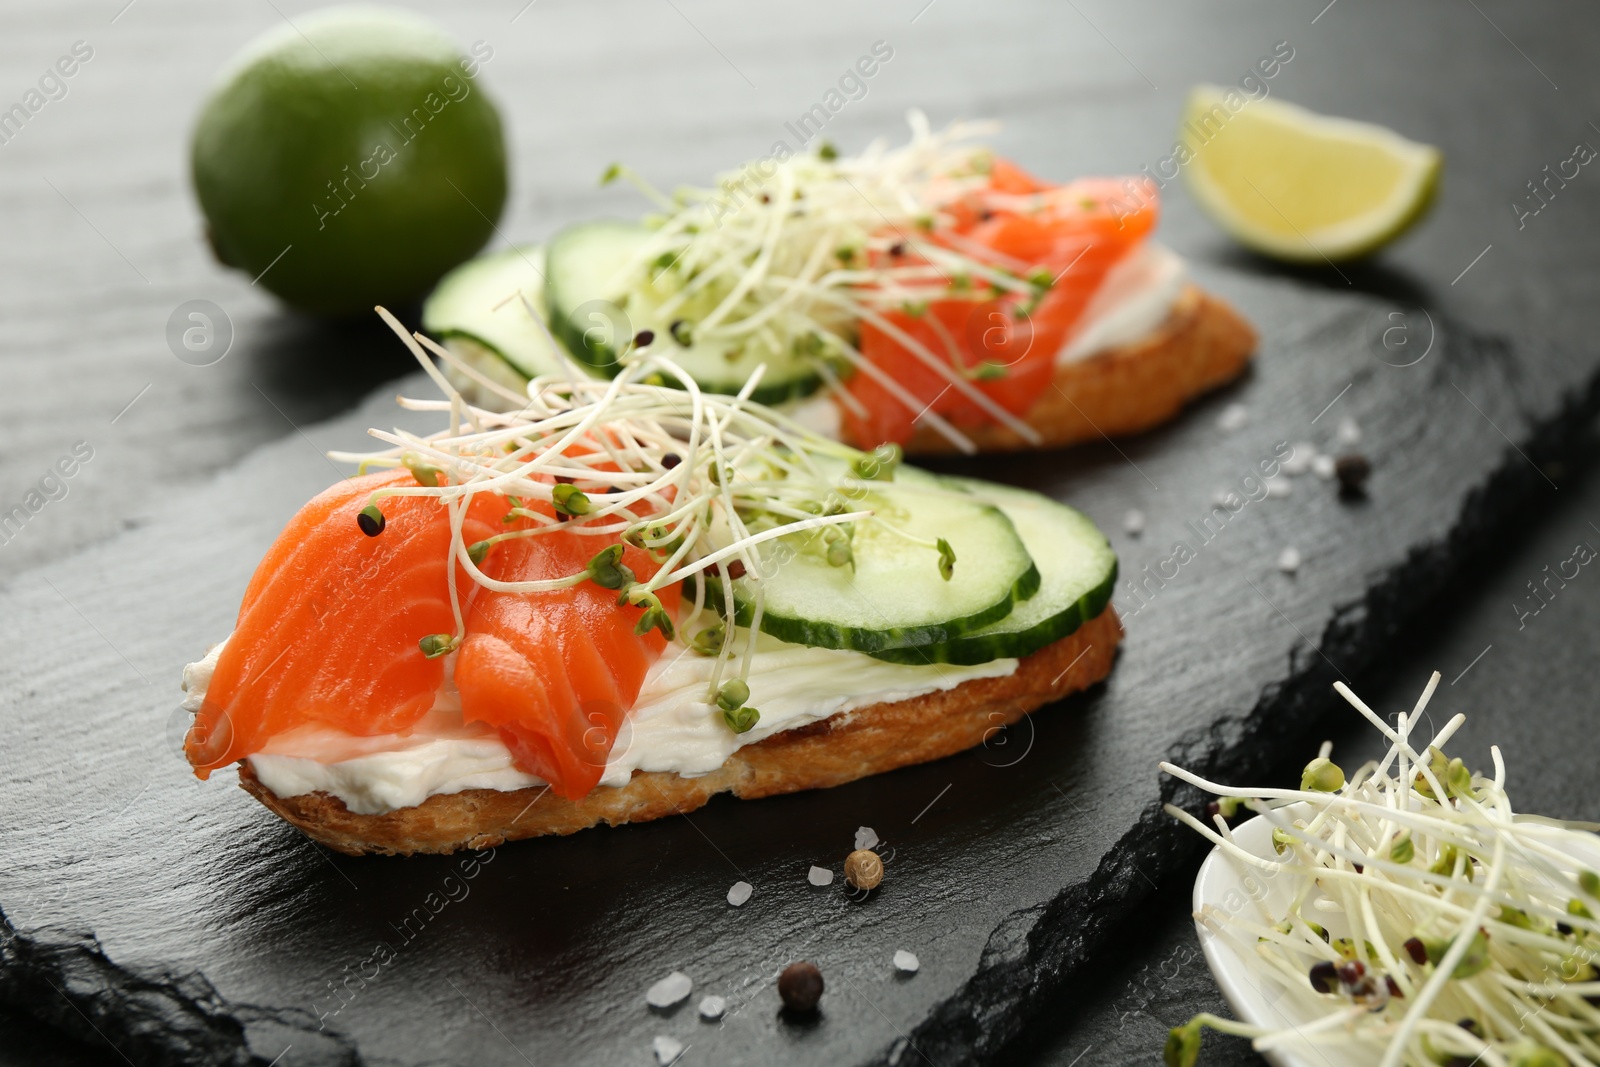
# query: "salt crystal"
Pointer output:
{"type": "Point", "coordinates": [1133, 522]}
{"type": "Point", "coordinates": [712, 1008]}
{"type": "Point", "coordinates": [1225, 498]}
{"type": "Point", "coordinates": [820, 876]}
{"type": "Point", "coordinates": [1322, 467]}
{"type": "Point", "coordinates": [906, 962]}
{"type": "Point", "coordinates": [1300, 459]}
{"type": "Point", "coordinates": [866, 837]}
{"type": "Point", "coordinates": [668, 1049]}
{"type": "Point", "coordinates": [1349, 433]}
{"type": "Point", "coordinates": [1289, 560]}
{"type": "Point", "coordinates": [1279, 487]}
{"type": "Point", "coordinates": [669, 991]}
{"type": "Point", "coordinates": [740, 893]}
{"type": "Point", "coordinates": [1233, 417]}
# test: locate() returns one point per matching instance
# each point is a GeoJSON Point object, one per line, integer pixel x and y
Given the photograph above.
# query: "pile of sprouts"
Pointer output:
{"type": "Point", "coordinates": [704, 482]}
{"type": "Point", "coordinates": [791, 254]}
{"type": "Point", "coordinates": [1472, 930]}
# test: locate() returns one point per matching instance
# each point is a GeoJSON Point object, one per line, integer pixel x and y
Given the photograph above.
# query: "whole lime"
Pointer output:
{"type": "Point", "coordinates": [350, 158]}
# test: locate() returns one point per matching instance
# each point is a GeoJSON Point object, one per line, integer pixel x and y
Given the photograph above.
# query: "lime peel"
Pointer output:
{"type": "Point", "coordinates": [1298, 186]}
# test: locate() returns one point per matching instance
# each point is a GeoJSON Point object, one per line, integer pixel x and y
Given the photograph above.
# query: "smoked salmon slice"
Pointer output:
{"type": "Point", "coordinates": [329, 627]}
{"type": "Point", "coordinates": [1006, 348]}
{"type": "Point", "coordinates": [556, 672]}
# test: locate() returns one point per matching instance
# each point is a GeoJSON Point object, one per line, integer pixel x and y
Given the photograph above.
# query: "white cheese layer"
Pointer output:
{"type": "Point", "coordinates": [671, 727]}
{"type": "Point", "coordinates": [1133, 300]}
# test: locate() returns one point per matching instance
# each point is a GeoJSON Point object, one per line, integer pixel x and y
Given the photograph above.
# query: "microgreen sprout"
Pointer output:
{"type": "Point", "coordinates": [947, 559]}
{"type": "Point", "coordinates": [1472, 947]}
{"type": "Point", "coordinates": [1323, 775]}
{"type": "Point", "coordinates": [707, 484]}
{"type": "Point", "coordinates": [569, 500]}
{"type": "Point", "coordinates": [710, 640]}
{"type": "Point", "coordinates": [425, 473]}
{"type": "Point", "coordinates": [435, 645]}
{"type": "Point", "coordinates": [741, 720]}
{"type": "Point", "coordinates": [608, 571]}
{"type": "Point", "coordinates": [733, 694]}
{"type": "Point", "coordinates": [786, 250]}
{"type": "Point", "coordinates": [879, 464]}
{"type": "Point", "coordinates": [371, 520]}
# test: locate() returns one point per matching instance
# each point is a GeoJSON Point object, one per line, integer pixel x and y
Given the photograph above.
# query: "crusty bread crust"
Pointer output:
{"type": "Point", "coordinates": [836, 750]}
{"type": "Point", "coordinates": [1126, 389]}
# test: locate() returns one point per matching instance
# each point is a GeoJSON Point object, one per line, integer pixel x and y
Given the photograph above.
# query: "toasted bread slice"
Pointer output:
{"type": "Point", "coordinates": [836, 750]}
{"type": "Point", "coordinates": [1127, 389]}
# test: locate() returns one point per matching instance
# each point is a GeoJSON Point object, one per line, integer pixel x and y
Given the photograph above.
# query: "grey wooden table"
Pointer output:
{"type": "Point", "coordinates": [102, 243]}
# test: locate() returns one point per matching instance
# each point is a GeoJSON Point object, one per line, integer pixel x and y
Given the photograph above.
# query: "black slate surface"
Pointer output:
{"type": "Point", "coordinates": [550, 954]}
{"type": "Point", "coordinates": [1008, 863]}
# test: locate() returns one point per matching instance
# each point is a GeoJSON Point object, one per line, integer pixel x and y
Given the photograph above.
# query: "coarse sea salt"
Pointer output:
{"type": "Point", "coordinates": [906, 962]}
{"type": "Point", "coordinates": [1233, 417]}
{"type": "Point", "coordinates": [672, 989]}
{"type": "Point", "coordinates": [713, 1008]}
{"type": "Point", "coordinates": [1289, 560]}
{"type": "Point", "coordinates": [739, 893]}
{"type": "Point", "coordinates": [1133, 522]}
{"type": "Point", "coordinates": [1300, 459]}
{"type": "Point", "coordinates": [1323, 467]}
{"type": "Point", "coordinates": [866, 837]}
{"type": "Point", "coordinates": [667, 1049]}
{"type": "Point", "coordinates": [1348, 433]}
{"type": "Point", "coordinates": [819, 876]}
{"type": "Point", "coordinates": [1279, 487]}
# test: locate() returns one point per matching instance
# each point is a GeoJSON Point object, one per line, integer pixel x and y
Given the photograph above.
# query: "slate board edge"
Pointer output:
{"type": "Point", "coordinates": [64, 979]}
{"type": "Point", "coordinates": [1031, 958]}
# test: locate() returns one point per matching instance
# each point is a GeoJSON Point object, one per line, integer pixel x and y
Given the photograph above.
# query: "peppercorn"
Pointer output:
{"type": "Point", "coordinates": [1324, 976]}
{"type": "Point", "coordinates": [1352, 472]}
{"type": "Point", "coordinates": [670, 460]}
{"type": "Point", "coordinates": [643, 337]}
{"type": "Point", "coordinates": [1416, 950]}
{"type": "Point", "coordinates": [863, 869]}
{"type": "Point", "coordinates": [800, 986]}
{"type": "Point", "coordinates": [897, 249]}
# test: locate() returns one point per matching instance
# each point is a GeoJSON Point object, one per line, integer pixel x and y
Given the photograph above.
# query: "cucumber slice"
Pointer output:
{"type": "Point", "coordinates": [1075, 561]}
{"type": "Point", "coordinates": [597, 270]}
{"type": "Point", "coordinates": [895, 599]}
{"type": "Point", "coordinates": [478, 303]}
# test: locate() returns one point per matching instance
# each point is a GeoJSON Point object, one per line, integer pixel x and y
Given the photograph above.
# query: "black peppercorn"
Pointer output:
{"type": "Point", "coordinates": [1352, 472]}
{"type": "Point", "coordinates": [800, 986]}
{"type": "Point", "coordinates": [1416, 950]}
{"type": "Point", "coordinates": [643, 337]}
{"type": "Point", "coordinates": [670, 460]}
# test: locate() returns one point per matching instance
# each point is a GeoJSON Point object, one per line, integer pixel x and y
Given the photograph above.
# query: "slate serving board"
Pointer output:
{"type": "Point", "coordinates": [1007, 863]}
{"type": "Point", "coordinates": [1008, 874]}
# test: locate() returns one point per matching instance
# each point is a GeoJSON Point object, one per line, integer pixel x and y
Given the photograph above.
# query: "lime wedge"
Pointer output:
{"type": "Point", "coordinates": [1299, 186]}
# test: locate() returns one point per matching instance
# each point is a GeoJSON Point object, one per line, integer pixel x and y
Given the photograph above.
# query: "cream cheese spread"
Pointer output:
{"type": "Point", "coordinates": [671, 727]}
